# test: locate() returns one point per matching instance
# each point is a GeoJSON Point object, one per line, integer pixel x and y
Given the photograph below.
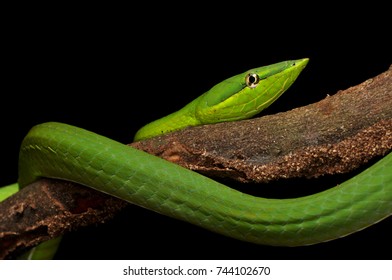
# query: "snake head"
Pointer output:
{"type": "Point", "coordinates": [236, 98]}
{"type": "Point", "coordinates": [247, 94]}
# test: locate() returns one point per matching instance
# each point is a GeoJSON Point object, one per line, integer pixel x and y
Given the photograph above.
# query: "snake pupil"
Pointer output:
{"type": "Point", "coordinates": [252, 80]}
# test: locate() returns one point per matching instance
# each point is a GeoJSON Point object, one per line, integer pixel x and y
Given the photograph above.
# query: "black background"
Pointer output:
{"type": "Point", "coordinates": [111, 72]}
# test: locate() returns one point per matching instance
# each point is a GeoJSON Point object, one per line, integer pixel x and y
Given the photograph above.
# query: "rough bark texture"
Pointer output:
{"type": "Point", "coordinates": [335, 135]}
{"type": "Point", "coordinates": [48, 208]}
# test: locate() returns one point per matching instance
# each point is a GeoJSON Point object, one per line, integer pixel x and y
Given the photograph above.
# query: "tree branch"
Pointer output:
{"type": "Point", "coordinates": [334, 135]}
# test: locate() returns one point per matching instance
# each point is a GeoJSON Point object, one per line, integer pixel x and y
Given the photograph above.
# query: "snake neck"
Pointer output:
{"type": "Point", "coordinates": [173, 122]}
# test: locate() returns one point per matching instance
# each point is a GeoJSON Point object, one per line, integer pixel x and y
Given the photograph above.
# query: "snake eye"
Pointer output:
{"type": "Point", "coordinates": [252, 80]}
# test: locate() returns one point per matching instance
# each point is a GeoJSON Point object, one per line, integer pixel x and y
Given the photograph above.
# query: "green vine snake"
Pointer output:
{"type": "Point", "coordinates": [58, 150]}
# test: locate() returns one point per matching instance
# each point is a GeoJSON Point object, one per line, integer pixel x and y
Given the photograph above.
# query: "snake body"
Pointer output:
{"type": "Point", "coordinates": [61, 151]}
{"type": "Point", "coordinates": [58, 150]}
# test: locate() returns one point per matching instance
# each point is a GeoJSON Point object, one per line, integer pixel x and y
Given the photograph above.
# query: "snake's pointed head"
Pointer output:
{"type": "Point", "coordinates": [247, 94]}
{"type": "Point", "coordinates": [236, 98]}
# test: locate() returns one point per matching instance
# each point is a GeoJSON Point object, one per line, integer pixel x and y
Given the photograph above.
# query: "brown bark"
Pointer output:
{"type": "Point", "coordinates": [48, 208]}
{"type": "Point", "coordinates": [334, 135]}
